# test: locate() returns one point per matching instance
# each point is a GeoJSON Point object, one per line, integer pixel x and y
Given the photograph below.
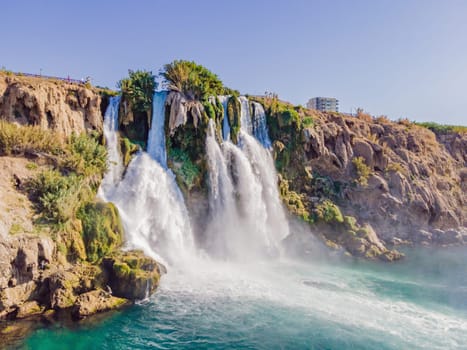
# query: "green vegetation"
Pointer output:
{"type": "Point", "coordinates": [64, 191]}
{"type": "Point", "coordinates": [85, 156]}
{"type": "Point", "coordinates": [58, 196]}
{"type": "Point", "coordinates": [102, 229]}
{"type": "Point", "coordinates": [138, 89]}
{"type": "Point", "coordinates": [127, 148]}
{"type": "Point", "coordinates": [234, 115]}
{"type": "Point", "coordinates": [15, 229]}
{"type": "Point", "coordinates": [443, 128]}
{"type": "Point", "coordinates": [20, 140]}
{"type": "Point", "coordinates": [362, 169]}
{"type": "Point", "coordinates": [293, 201]}
{"type": "Point", "coordinates": [136, 105]}
{"type": "Point", "coordinates": [188, 173]}
{"type": "Point", "coordinates": [307, 122]}
{"type": "Point", "coordinates": [193, 80]}
{"type": "Point", "coordinates": [328, 212]}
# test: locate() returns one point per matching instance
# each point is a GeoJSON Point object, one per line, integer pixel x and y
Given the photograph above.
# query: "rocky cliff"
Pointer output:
{"type": "Point", "coordinates": [51, 104]}
{"type": "Point", "coordinates": [402, 181]}
{"type": "Point", "coordinates": [59, 246]}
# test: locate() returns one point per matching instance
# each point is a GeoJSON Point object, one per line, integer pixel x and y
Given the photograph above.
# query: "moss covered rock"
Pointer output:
{"type": "Point", "coordinates": [132, 275]}
{"type": "Point", "coordinates": [234, 114]}
{"type": "Point", "coordinates": [102, 229]}
{"type": "Point", "coordinates": [95, 301]}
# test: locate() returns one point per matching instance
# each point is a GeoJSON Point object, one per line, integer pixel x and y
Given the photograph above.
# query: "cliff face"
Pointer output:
{"type": "Point", "coordinates": [406, 182]}
{"type": "Point", "coordinates": [54, 262]}
{"type": "Point", "coordinates": [56, 105]}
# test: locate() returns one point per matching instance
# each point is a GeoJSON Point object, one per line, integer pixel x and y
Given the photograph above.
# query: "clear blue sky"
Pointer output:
{"type": "Point", "coordinates": [401, 58]}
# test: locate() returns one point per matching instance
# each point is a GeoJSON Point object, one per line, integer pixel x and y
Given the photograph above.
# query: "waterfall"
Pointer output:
{"type": "Point", "coordinates": [225, 124]}
{"type": "Point", "coordinates": [156, 137]}
{"type": "Point", "coordinates": [114, 160]}
{"type": "Point", "coordinates": [263, 166]}
{"type": "Point", "coordinates": [222, 206]}
{"type": "Point", "coordinates": [153, 213]}
{"type": "Point", "coordinates": [150, 203]}
{"type": "Point", "coordinates": [256, 149]}
{"type": "Point", "coordinates": [260, 126]}
{"type": "Point", "coordinates": [247, 218]}
{"type": "Point", "coordinates": [245, 116]}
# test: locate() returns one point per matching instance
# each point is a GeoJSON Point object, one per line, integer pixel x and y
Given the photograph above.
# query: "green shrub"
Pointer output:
{"type": "Point", "coordinates": [209, 109]}
{"type": "Point", "coordinates": [187, 171]}
{"type": "Point", "coordinates": [328, 212]}
{"type": "Point", "coordinates": [443, 128]}
{"type": "Point", "coordinates": [139, 89]}
{"type": "Point", "coordinates": [128, 148]}
{"type": "Point", "coordinates": [102, 229]}
{"type": "Point", "coordinates": [293, 201]}
{"type": "Point", "coordinates": [193, 80]}
{"type": "Point", "coordinates": [307, 122]}
{"type": "Point", "coordinates": [16, 139]}
{"type": "Point", "coordinates": [57, 197]}
{"type": "Point", "coordinates": [85, 156]}
{"type": "Point", "coordinates": [362, 169]}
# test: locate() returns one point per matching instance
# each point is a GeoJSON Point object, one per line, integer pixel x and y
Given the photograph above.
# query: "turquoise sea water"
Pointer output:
{"type": "Point", "coordinates": [419, 303]}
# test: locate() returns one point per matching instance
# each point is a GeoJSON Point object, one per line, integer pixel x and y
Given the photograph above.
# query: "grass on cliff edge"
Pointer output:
{"type": "Point", "coordinates": [20, 140]}
{"type": "Point", "coordinates": [443, 128]}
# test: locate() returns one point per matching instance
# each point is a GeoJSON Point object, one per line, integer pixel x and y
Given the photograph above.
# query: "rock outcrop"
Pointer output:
{"type": "Point", "coordinates": [132, 275]}
{"type": "Point", "coordinates": [51, 104]}
{"type": "Point", "coordinates": [47, 269]}
{"type": "Point", "coordinates": [96, 301]}
{"type": "Point", "coordinates": [400, 179]}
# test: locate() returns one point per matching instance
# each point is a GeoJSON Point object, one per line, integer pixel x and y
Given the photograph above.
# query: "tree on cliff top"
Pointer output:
{"type": "Point", "coordinates": [139, 89]}
{"type": "Point", "coordinates": [193, 80]}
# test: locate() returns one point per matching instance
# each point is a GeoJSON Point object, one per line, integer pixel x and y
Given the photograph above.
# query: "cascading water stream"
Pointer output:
{"type": "Point", "coordinates": [247, 218]}
{"type": "Point", "coordinates": [245, 115]}
{"type": "Point", "coordinates": [149, 201]}
{"type": "Point", "coordinates": [114, 160]}
{"type": "Point", "coordinates": [156, 136]}
{"type": "Point", "coordinates": [222, 206]}
{"type": "Point", "coordinates": [260, 126]}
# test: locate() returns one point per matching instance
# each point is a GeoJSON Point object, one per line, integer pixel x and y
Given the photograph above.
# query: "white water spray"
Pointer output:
{"type": "Point", "coordinates": [149, 201]}
{"type": "Point", "coordinates": [154, 217]}
{"type": "Point", "coordinates": [247, 218]}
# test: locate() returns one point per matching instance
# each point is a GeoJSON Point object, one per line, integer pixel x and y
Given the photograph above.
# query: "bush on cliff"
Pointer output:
{"type": "Point", "coordinates": [195, 81]}
{"type": "Point", "coordinates": [139, 89]}
{"type": "Point", "coordinates": [57, 197]}
{"type": "Point", "coordinates": [362, 169]}
{"type": "Point", "coordinates": [85, 156]}
{"type": "Point", "coordinates": [136, 105]}
{"type": "Point", "coordinates": [443, 128]}
{"type": "Point", "coordinates": [188, 173]}
{"type": "Point", "coordinates": [20, 140]}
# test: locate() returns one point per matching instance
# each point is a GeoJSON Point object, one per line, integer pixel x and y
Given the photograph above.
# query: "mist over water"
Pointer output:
{"type": "Point", "coordinates": [249, 290]}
